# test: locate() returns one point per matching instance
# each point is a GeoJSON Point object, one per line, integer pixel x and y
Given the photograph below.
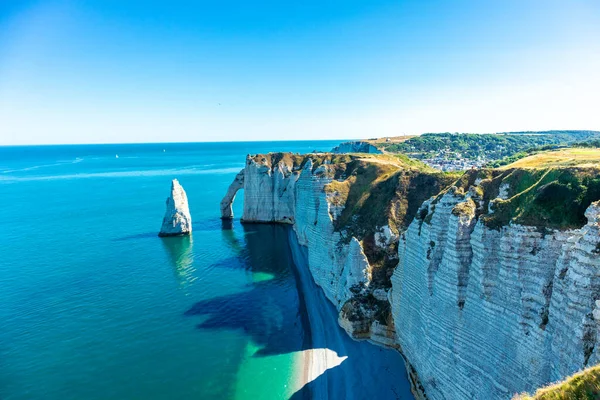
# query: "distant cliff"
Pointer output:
{"type": "Point", "coordinates": [487, 284]}
{"type": "Point", "coordinates": [356, 147]}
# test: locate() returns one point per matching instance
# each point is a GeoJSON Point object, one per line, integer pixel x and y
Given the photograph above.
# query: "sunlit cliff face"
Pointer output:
{"type": "Point", "coordinates": [495, 276]}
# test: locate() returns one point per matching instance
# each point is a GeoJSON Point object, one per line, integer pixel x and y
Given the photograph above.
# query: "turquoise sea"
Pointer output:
{"type": "Point", "coordinates": [94, 305]}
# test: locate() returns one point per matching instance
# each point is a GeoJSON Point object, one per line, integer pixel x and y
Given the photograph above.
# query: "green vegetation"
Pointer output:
{"type": "Point", "coordinates": [464, 208]}
{"type": "Point", "coordinates": [491, 147]}
{"type": "Point", "coordinates": [590, 143]}
{"type": "Point", "coordinates": [375, 190]}
{"type": "Point", "coordinates": [522, 154]}
{"type": "Point", "coordinates": [376, 193]}
{"type": "Point", "coordinates": [546, 198]}
{"type": "Point", "coordinates": [550, 189]}
{"type": "Point", "coordinates": [354, 309]}
{"type": "Point", "coordinates": [558, 200]}
{"type": "Point", "coordinates": [297, 161]}
{"type": "Point", "coordinates": [584, 385]}
{"type": "Point", "coordinates": [580, 157]}
{"type": "Point", "coordinates": [546, 189]}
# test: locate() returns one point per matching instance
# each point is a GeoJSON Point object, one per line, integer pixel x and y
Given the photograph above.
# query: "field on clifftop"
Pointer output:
{"type": "Point", "coordinates": [571, 157]}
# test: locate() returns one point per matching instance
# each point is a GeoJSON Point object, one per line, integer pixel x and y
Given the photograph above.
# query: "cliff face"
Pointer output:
{"type": "Point", "coordinates": [483, 312]}
{"type": "Point", "coordinates": [331, 200]}
{"type": "Point", "coordinates": [494, 286]}
{"type": "Point", "coordinates": [356, 147]}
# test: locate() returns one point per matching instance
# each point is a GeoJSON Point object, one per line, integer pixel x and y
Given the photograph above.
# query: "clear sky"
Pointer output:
{"type": "Point", "coordinates": [100, 71]}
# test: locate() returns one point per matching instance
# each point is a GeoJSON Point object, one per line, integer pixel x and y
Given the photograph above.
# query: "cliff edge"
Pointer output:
{"type": "Point", "coordinates": [486, 282]}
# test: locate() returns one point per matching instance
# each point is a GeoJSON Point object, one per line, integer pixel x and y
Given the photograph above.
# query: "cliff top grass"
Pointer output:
{"type": "Point", "coordinates": [542, 197]}
{"type": "Point", "coordinates": [373, 189]}
{"type": "Point", "coordinates": [339, 162]}
{"type": "Point", "coordinates": [365, 184]}
{"type": "Point", "coordinates": [584, 385]}
{"type": "Point", "coordinates": [569, 157]}
{"type": "Point", "coordinates": [389, 139]}
{"type": "Point", "coordinates": [381, 189]}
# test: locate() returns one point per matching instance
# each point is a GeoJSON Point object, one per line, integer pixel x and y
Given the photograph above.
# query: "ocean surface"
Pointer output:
{"type": "Point", "coordinates": [94, 305]}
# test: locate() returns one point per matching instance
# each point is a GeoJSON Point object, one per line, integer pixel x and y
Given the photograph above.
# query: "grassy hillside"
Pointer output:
{"type": "Point", "coordinates": [387, 141]}
{"type": "Point", "coordinates": [543, 197]}
{"type": "Point", "coordinates": [491, 146]}
{"type": "Point", "coordinates": [379, 190]}
{"type": "Point", "coordinates": [571, 157]}
{"type": "Point", "coordinates": [584, 385]}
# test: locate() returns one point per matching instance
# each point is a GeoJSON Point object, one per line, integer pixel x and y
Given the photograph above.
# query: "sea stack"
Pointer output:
{"type": "Point", "coordinates": [177, 220]}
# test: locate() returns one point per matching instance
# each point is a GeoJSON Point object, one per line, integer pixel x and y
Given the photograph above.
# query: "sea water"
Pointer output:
{"type": "Point", "coordinates": [94, 305]}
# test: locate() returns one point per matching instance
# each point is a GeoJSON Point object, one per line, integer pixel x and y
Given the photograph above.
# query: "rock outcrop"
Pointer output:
{"type": "Point", "coordinates": [314, 193]}
{"type": "Point", "coordinates": [486, 313]}
{"type": "Point", "coordinates": [488, 287]}
{"type": "Point", "coordinates": [356, 147]}
{"type": "Point", "coordinates": [177, 220]}
{"type": "Point", "coordinates": [226, 203]}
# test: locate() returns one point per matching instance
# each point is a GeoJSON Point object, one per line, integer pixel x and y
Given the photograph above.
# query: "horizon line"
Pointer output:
{"type": "Point", "coordinates": [301, 140]}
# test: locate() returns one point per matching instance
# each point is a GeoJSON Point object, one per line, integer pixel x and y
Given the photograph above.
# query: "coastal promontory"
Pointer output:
{"type": "Point", "coordinates": [485, 280]}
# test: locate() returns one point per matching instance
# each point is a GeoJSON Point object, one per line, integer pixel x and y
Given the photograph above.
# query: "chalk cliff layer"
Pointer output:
{"type": "Point", "coordinates": [485, 286]}
{"type": "Point", "coordinates": [177, 220]}
{"type": "Point", "coordinates": [356, 147]}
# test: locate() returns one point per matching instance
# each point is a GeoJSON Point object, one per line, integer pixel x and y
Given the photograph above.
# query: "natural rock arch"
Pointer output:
{"type": "Point", "coordinates": [227, 202]}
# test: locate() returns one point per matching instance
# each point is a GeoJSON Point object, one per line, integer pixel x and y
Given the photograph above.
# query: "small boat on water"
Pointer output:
{"type": "Point", "coordinates": [116, 156]}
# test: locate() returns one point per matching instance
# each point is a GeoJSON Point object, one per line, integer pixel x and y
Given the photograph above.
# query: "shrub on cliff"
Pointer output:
{"type": "Point", "coordinates": [583, 385]}
{"type": "Point", "coordinates": [555, 198]}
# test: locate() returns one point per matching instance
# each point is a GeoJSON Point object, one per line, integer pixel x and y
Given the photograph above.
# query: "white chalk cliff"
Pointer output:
{"type": "Point", "coordinates": [177, 220]}
{"type": "Point", "coordinates": [484, 313]}
{"type": "Point", "coordinates": [226, 203]}
{"type": "Point", "coordinates": [356, 147]}
{"type": "Point", "coordinates": [478, 312]}
{"type": "Point", "coordinates": [285, 193]}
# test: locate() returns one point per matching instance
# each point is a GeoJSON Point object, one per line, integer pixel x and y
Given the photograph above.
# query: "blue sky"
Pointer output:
{"type": "Point", "coordinates": [138, 71]}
